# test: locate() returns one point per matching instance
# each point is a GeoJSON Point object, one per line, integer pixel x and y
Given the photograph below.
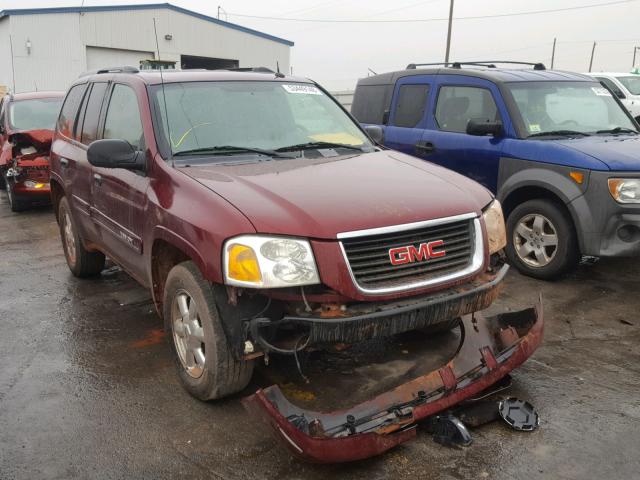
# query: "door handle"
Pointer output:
{"type": "Point", "coordinates": [64, 162]}
{"type": "Point", "coordinates": [425, 148]}
{"type": "Point", "coordinates": [97, 179]}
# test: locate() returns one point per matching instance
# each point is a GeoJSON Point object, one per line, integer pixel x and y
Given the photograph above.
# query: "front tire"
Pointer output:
{"type": "Point", "coordinates": [16, 204]}
{"type": "Point", "coordinates": [541, 239]}
{"type": "Point", "coordinates": [81, 262]}
{"type": "Point", "coordinates": [205, 363]}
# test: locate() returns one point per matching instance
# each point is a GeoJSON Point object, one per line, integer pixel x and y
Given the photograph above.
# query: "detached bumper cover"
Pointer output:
{"type": "Point", "coordinates": [490, 348]}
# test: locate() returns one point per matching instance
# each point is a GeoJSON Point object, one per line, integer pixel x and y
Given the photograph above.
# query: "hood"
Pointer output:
{"type": "Point", "coordinates": [320, 198]}
{"type": "Point", "coordinates": [39, 139]}
{"type": "Point", "coordinates": [621, 152]}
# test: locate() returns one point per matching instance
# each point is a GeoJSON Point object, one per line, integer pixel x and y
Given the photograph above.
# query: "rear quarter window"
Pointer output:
{"type": "Point", "coordinates": [370, 103]}
{"type": "Point", "coordinates": [69, 113]}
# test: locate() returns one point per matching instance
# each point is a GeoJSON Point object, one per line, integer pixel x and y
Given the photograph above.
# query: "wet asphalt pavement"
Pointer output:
{"type": "Point", "coordinates": [88, 389]}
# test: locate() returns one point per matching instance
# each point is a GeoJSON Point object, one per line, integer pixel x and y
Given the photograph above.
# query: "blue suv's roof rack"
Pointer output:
{"type": "Point", "coordinates": [487, 64]}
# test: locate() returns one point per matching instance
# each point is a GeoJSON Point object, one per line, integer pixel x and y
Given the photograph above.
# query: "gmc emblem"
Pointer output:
{"type": "Point", "coordinates": [410, 253]}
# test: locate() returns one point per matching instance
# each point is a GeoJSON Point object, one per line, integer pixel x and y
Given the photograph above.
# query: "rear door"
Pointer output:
{"type": "Point", "coordinates": [68, 160]}
{"type": "Point", "coordinates": [459, 99]}
{"type": "Point", "coordinates": [86, 132]}
{"type": "Point", "coordinates": [407, 118]}
{"type": "Point", "coordinates": [119, 195]}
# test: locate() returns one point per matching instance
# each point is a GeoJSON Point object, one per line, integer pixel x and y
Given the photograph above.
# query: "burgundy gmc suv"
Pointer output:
{"type": "Point", "coordinates": [264, 220]}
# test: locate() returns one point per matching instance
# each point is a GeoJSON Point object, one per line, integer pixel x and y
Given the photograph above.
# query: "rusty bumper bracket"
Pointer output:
{"type": "Point", "coordinates": [490, 348]}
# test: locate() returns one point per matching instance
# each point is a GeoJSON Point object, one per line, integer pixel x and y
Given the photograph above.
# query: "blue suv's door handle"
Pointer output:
{"type": "Point", "coordinates": [424, 148]}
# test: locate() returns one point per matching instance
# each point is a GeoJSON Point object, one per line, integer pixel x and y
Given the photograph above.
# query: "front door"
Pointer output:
{"type": "Point", "coordinates": [119, 195]}
{"type": "Point", "coordinates": [445, 141]}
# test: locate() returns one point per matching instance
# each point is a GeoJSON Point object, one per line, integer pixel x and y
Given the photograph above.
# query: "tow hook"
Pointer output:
{"type": "Point", "coordinates": [491, 347]}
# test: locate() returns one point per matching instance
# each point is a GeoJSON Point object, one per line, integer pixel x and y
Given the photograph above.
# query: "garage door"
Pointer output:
{"type": "Point", "coordinates": [99, 57]}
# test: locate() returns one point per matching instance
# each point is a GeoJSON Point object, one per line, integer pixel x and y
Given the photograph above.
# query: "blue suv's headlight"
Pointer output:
{"type": "Point", "coordinates": [625, 190]}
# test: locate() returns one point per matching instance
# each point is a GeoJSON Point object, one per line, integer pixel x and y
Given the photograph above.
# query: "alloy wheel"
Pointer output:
{"type": "Point", "coordinates": [188, 334]}
{"type": "Point", "coordinates": [69, 238]}
{"type": "Point", "coordinates": [535, 240]}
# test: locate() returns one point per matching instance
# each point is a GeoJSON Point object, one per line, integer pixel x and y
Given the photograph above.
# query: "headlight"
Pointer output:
{"type": "Point", "coordinates": [32, 184]}
{"type": "Point", "coordinates": [625, 190]}
{"type": "Point", "coordinates": [269, 262]}
{"type": "Point", "coordinates": [494, 222]}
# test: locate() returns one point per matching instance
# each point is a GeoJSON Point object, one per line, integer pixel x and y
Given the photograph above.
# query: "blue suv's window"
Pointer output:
{"type": "Point", "coordinates": [412, 101]}
{"type": "Point", "coordinates": [457, 105]}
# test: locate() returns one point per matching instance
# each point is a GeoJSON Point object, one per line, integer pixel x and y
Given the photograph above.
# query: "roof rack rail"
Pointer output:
{"type": "Point", "coordinates": [250, 69]}
{"type": "Point", "coordinates": [125, 69]}
{"type": "Point", "coordinates": [488, 64]}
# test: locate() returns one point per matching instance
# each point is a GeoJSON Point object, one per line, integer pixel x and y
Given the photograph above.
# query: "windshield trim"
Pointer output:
{"type": "Point", "coordinates": [516, 116]}
{"type": "Point", "coordinates": [155, 90]}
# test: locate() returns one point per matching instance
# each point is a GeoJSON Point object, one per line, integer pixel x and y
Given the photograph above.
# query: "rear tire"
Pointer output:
{"type": "Point", "coordinates": [541, 239]}
{"type": "Point", "coordinates": [206, 366]}
{"type": "Point", "coordinates": [81, 262]}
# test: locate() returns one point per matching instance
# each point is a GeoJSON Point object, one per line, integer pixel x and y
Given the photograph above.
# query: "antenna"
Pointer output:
{"type": "Point", "coordinates": [164, 96]}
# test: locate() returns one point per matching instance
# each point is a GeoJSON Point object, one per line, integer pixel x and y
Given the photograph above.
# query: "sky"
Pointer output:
{"type": "Point", "coordinates": [337, 54]}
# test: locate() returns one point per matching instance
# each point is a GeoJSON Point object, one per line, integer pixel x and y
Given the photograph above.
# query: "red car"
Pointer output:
{"type": "Point", "coordinates": [26, 131]}
{"type": "Point", "coordinates": [264, 219]}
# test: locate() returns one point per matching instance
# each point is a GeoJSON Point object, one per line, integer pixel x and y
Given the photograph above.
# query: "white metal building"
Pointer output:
{"type": "Point", "coordinates": [47, 48]}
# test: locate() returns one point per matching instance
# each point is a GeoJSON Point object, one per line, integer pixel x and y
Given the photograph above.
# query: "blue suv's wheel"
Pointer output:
{"type": "Point", "coordinates": [541, 239]}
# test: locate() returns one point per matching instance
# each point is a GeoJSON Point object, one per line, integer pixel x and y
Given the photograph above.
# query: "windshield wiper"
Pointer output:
{"type": "Point", "coordinates": [561, 133]}
{"type": "Point", "coordinates": [220, 149]}
{"type": "Point", "coordinates": [618, 130]}
{"type": "Point", "coordinates": [309, 145]}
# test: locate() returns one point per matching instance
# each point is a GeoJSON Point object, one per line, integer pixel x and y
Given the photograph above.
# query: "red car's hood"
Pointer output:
{"type": "Point", "coordinates": [40, 139]}
{"type": "Point", "coordinates": [320, 198]}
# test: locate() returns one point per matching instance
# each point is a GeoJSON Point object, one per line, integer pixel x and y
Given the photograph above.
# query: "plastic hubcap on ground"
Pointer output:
{"type": "Point", "coordinates": [535, 240]}
{"type": "Point", "coordinates": [69, 239]}
{"type": "Point", "coordinates": [188, 334]}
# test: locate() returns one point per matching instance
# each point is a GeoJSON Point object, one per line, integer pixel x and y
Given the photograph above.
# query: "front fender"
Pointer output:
{"type": "Point", "coordinates": [517, 174]}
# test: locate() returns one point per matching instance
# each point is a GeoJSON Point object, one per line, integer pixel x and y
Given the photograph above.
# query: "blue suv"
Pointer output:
{"type": "Point", "coordinates": [558, 149]}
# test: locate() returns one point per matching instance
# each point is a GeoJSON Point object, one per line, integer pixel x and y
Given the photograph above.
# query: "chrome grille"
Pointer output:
{"type": "Point", "coordinates": [371, 268]}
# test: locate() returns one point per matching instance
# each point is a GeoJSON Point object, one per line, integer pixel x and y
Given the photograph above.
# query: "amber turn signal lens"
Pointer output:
{"type": "Point", "coordinates": [243, 264]}
{"type": "Point", "coordinates": [578, 177]}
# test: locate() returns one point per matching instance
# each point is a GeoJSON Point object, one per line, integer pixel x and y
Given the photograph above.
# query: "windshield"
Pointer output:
{"type": "Point", "coordinates": [36, 114]}
{"type": "Point", "coordinates": [253, 115]}
{"type": "Point", "coordinates": [568, 106]}
{"type": "Point", "coordinates": [631, 83]}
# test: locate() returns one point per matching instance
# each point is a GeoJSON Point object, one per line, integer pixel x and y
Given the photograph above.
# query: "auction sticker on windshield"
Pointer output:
{"type": "Point", "coordinates": [305, 89]}
{"type": "Point", "coordinates": [601, 91]}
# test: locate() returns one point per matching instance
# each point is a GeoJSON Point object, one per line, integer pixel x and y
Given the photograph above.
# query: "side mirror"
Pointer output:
{"type": "Point", "coordinates": [482, 128]}
{"type": "Point", "coordinates": [620, 95]}
{"type": "Point", "coordinates": [375, 133]}
{"type": "Point", "coordinates": [638, 119]}
{"type": "Point", "coordinates": [115, 153]}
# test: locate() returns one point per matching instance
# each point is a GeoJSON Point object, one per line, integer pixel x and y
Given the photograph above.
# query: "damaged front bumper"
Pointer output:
{"type": "Point", "coordinates": [490, 348]}
{"type": "Point", "coordinates": [368, 320]}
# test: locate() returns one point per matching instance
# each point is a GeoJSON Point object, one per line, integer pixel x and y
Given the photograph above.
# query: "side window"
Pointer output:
{"type": "Point", "coordinates": [412, 101]}
{"type": "Point", "coordinates": [457, 105]}
{"type": "Point", "coordinates": [92, 113]}
{"type": "Point", "coordinates": [123, 117]}
{"type": "Point", "coordinates": [67, 119]}
{"type": "Point", "coordinates": [370, 102]}
{"type": "Point", "coordinates": [612, 87]}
